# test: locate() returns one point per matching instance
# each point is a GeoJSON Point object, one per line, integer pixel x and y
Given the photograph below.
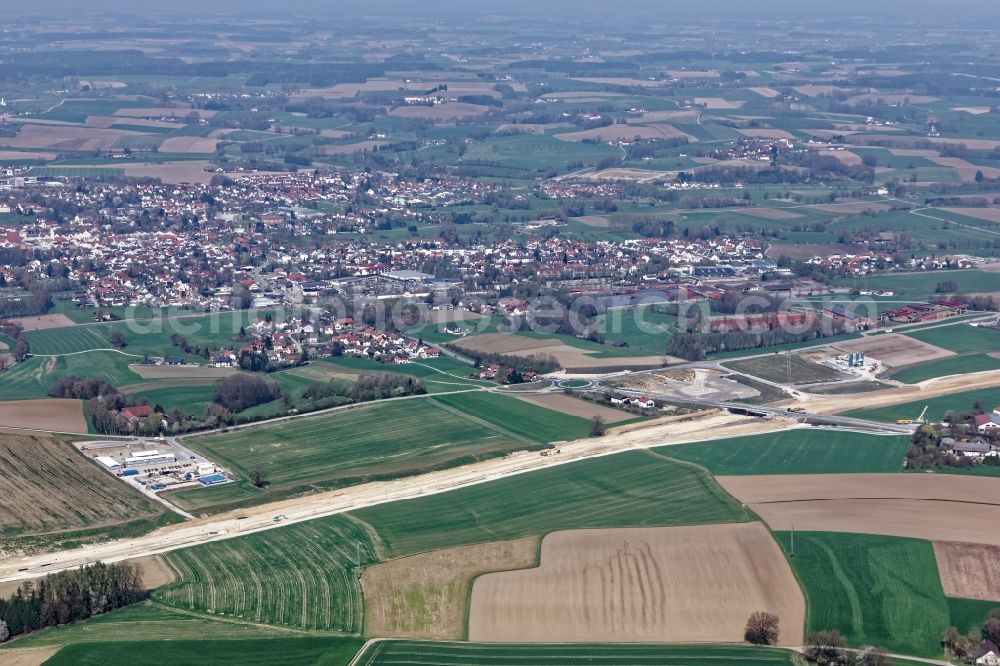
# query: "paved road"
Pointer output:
{"type": "Point", "coordinates": [805, 417]}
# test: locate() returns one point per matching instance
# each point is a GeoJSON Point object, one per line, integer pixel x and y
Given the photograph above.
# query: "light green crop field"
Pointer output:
{"type": "Point", "coordinates": [799, 451]}
{"type": "Point", "coordinates": [68, 340]}
{"type": "Point", "coordinates": [190, 400]}
{"type": "Point", "coordinates": [306, 650]}
{"type": "Point", "coordinates": [145, 621]}
{"type": "Point", "coordinates": [875, 590]}
{"type": "Point", "coordinates": [785, 368]}
{"type": "Point", "coordinates": [33, 377]}
{"type": "Point", "coordinates": [339, 448]}
{"type": "Point", "coordinates": [956, 365]}
{"type": "Point", "coordinates": [428, 653]}
{"type": "Point", "coordinates": [936, 407]}
{"type": "Point", "coordinates": [299, 577]}
{"type": "Point", "coordinates": [596, 350]}
{"type": "Point", "coordinates": [219, 329]}
{"type": "Point", "coordinates": [961, 338]}
{"type": "Point", "coordinates": [632, 489]}
{"type": "Point", "coordinates": [921, 286]}
{"type": "Point", "coordinates": [535, 423]}
{"type": "Point", "coordinates": [644, 329]}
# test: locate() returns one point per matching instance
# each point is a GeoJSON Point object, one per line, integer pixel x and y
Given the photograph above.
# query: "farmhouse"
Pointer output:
{"type": "Point", "coordinates": [988, 654]}
{"type": "Point", "coordinates": [137, 412]}
{"type": "Point", "coordinates": [987, 422]}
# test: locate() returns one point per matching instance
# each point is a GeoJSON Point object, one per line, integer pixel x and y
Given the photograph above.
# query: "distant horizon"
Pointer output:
{"type": "Point", "coordinates": [707, 9]}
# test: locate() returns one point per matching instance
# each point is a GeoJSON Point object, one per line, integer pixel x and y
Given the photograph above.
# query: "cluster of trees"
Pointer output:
{"type": "Point", "coordinates": [367, 387]}
{"type": "Point", "coordinates": [960, 646]}
{"type": "Point", "coordinates": [695, 346]}
{"type": "Point", "coordinates": [828, 648]}
{"type": "Point", "coordinates": [104, 405]}
{"type": "Point", "coordinates": [241, 392]}
{"type": "Point", "coordinates": [540, 363]}
{"type": "Point", "coordinates": [68, 596]}
{"type": "Point", "coordinates": [81, 389]}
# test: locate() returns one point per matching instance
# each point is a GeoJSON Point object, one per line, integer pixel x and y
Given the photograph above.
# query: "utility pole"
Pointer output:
{"type": "Point", "coordinates": [793, 540]}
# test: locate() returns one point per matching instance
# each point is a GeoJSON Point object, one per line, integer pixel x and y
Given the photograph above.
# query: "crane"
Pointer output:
{"type": "Point", "coordinates": [920, 419]}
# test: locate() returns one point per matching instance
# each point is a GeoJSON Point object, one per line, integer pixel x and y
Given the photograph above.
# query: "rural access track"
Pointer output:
{"type": "Point", "coordinates": [260, 518]}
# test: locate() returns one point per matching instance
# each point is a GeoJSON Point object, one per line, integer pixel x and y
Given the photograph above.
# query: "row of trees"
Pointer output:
{"type": "Point", "coordinates": [367, 387]}
{"type": "Point", "coordinates": [68, 596]}
{"type": "Point", "coordinates": [695, 346]}
{"type": "Point", "coordinates": [827, 648]}
{"type": "Point", "coordinates": [962, 646]}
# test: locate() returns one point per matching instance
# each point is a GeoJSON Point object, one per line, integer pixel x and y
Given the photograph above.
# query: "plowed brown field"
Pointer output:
{"type": "Point", "coordinates": [670, 584]}
{"type": "Point", "coordinates": [936, 507]}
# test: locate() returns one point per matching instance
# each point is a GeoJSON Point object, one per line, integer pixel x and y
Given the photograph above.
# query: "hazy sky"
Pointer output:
{"type": "Point", "coordinates": [942, 9]}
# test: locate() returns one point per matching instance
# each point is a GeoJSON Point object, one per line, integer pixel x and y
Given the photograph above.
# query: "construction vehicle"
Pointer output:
{"type": "Point", "coordinates": [919, 420]}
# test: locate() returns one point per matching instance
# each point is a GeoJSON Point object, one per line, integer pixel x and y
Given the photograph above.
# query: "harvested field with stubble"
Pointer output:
{"type": "Point", "coordinates": [48, 414]}
{"type": "Point", "coordinates": [988, 214]}
{"type": "Point", "coordinates": [768, 213]}
{"type": "Point", "coordinates": [182, 371]}
{"type": "Point", "coordinates": [188, 144]}
{"type": "Point", "coordinates": [568, 357]}
{"type": "Point", "coordinates": [427, 595]}
{"type": "Point", "coordinates": [441, 112]}
{"type": "Point", "coordinates": [567, 404]}
{"type": "Point", "coordinates": [28, 656]}
{"type": "Point", "coordinates": [969, 570]}
{"type": "Point", "coordinates": [935, 507]}
{"type": "Point", "coordinates": [623, 132]}
{"type": "Point", "coordinates": [850, 207]}
{"type": "Point", "coordinates": [670, 584]}
{"type": "Point", "coordinates": [893, 349]}
{"type": "Point", "coordinates": [40, 322]}
{"type": "Point", "coordinates": [48, 487]}
{"type": "Point", "coordinates": [68, 137]}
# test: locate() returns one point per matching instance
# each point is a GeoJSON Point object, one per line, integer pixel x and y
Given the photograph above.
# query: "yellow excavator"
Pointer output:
{"type": "Point", "coordinates": [919, 419]}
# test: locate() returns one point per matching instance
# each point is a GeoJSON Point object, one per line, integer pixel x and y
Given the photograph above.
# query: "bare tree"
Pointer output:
{"type": "Point", "coordinates": [259, 477]}
{"type": "Point", "coordinates": [826, 648]}
{"type": "Point", "coordinates": [4, 631]}
{"type": "Point", "coordinates": [762, 628]}
{"type": "Point", "coordinates": [597, 427]}
{"type": "Point", "coordinates": [873, 656]}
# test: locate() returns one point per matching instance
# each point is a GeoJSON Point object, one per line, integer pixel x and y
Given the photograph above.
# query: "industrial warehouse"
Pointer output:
{"type": "Point", "coordinates": [155, 464]}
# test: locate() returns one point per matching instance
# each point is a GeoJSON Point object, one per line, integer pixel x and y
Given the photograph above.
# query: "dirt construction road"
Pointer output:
{"type": "Point", "coordinates": [226, 526]}
{"type": "Point", "coordinates": [932, 388]}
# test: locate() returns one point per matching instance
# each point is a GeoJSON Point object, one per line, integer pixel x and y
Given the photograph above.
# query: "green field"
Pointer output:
{"type": "Point", "coordinates": [299, 577]}
{"type": "Point", "coordinates": [153, 336]}
{"type": "Point", "coordinates": [190, 400]}
{"type": "Point", "coordinates": [632, 489]}
{"type": "Point", "coordinates": [920, 286]}
{"type": "Point", "coordinates": [960, 338]}
{"type": "Point", "coordinates": [344, 447]}
{"type": "Point", "coordinates": [305, 650]}
{"type": "Point", "coordinates": [427, 653]}
{"type": "Point", "coordinates": [875, 590]}
{"type": "Point", "coordinates": [785, 369]}
{"type": "Point", "coordinates": [33, 377]}
{"type": "Point", "coordinates": [936, 407]}
{"type": "Point", "coordinates": [969, 613]}
{"type": "Point", "coordinates": [145, 621]}
{"type": "Point", "coordinates": [644, 329]}
{"type": "Point", "coordinates": [522, 418]}
{"type": "Point", "coordinates": [800, 451]}
{"type": "Point", "coordinates": [956, 365]}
